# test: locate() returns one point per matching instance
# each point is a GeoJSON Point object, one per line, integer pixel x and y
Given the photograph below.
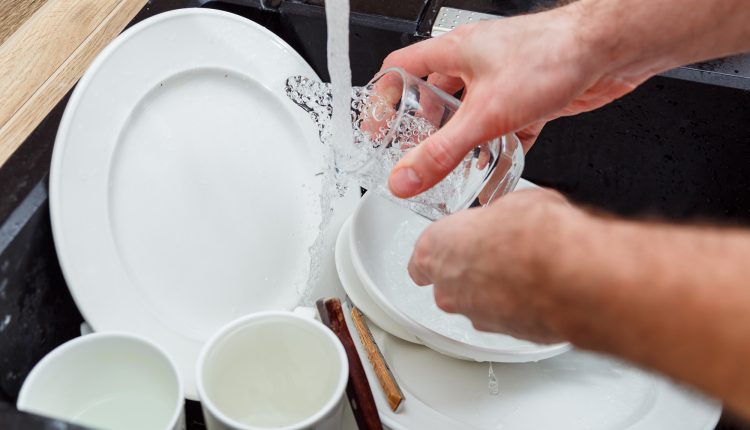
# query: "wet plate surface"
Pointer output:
{"type": "Point", "coordinates": [184, 187]}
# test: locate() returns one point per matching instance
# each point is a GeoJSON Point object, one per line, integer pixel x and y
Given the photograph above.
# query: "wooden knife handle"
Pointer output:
{"type": "Point", "coordinates": [387, 381]}
{"type": "Point", "coordinates": [358, 389]}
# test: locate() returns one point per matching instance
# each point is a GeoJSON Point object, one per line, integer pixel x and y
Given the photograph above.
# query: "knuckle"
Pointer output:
{"type": "Point", "coordinates": [463, 31]}
{"type": "Point", "coordinates": [444, 301]}
{"type": "Point", "coordinates": [453, 39]}
{"type": "Point", "coordinates": [554, 195]}
{"type": "Point", "coordinates": [479, 325]}
{"type": "Point", "coordinates": [392, 59]}
{"type": "Point", "coordinates": [421, 255]}
{"type": "Point", "coordinates": [438, 152]}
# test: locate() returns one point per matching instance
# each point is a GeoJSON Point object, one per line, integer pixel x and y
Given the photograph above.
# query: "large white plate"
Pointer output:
{"type": "Point", "coordinates": [573, 391]}
{"type": "Point", "coordinates": [183, 188]}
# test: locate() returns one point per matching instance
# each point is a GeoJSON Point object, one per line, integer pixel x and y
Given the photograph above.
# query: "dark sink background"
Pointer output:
{"type": "Point", "coordinates": [672, 149]}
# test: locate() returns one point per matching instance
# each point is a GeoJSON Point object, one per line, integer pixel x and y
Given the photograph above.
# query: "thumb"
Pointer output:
{"type": "Point", "coordinates": [435, 157]}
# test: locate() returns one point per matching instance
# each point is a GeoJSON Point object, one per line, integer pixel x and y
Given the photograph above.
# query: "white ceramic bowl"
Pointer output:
{"type": "Point", "coordinates": [107, 381]}
{"type": "Point", "coordinates": [357, 292]}
{"type": "Point", "coordinates": [382, 238]}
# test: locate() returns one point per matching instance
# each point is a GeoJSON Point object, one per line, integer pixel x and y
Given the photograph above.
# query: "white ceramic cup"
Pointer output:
{"type": "Point", "coordinates": [107, 381]}
{"type": "Point", "coordinates": [278, 370]}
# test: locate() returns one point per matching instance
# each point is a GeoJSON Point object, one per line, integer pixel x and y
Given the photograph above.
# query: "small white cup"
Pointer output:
{"type": "Point", "coordinates": [107, 381]}
{"type": "Point", "coordinates": [278, 370]}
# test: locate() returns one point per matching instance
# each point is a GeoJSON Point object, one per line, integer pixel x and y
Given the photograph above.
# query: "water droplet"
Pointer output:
{"type": "Point", "coordinates": [494, 387]}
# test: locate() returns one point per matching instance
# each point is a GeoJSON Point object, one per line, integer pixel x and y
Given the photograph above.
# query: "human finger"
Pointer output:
{"type": "Point", "coordinates": [528, 135]}
{"type": "Point", "coordinates": [419, 266]}
{"type": "Point", "coordinates": [435, 157]}
{"type": "Point", "coordinates": [449, 84]}
{"type": "Point", "coordinates": [438, 54]}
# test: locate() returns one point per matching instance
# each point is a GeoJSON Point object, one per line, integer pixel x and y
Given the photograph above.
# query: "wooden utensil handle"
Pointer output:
{"type": "Point", "coordinates": [358, 389]}
{"type": "Point", "coordinates": [392, 391]}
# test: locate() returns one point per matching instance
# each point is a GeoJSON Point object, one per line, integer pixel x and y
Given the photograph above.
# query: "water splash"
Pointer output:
{"type": "Point", "coordinates": [381, 138]}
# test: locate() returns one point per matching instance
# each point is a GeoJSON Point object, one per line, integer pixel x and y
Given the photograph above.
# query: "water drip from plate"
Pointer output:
{"type": "Point", "coordinates": [494, 387]}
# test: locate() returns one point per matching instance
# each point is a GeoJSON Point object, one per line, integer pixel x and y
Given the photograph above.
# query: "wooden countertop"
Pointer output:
{"type": "Point", "coordinates": [45, 46]}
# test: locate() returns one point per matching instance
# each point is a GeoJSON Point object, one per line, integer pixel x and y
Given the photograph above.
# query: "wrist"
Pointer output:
{"type": "Point", "coordinates": [631, 41]}
{"type": "Point", "coordinates": [558, 262]}
{"type": "Point", "coordinates": [615, 44]}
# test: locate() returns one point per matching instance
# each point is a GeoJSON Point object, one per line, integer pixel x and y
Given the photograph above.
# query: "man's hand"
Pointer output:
{"type": "Point", "coordinates": [671, 298]}
{"type": "Point", "coordinates": [489, 263]}
{"type": "Point", "coordinates": [675, 299]}
{"type": "Point", "coordinates": [517, 73]}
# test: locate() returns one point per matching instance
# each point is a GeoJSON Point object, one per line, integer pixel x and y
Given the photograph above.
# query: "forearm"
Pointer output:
{"type": "Point", "coordinates": [644, 37]}
{"type": "Point", "coordinates": [676, 299]}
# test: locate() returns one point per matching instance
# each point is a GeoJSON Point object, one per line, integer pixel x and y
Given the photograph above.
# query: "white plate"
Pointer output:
{"type": "Point", "coordinates": [183, 189]}
{"type": "Point", "coordinates": [382, 237]}
{"type": "Point", "coordinates": [356, 291]}
{"type": "Point", "coordinates": [572, 391]}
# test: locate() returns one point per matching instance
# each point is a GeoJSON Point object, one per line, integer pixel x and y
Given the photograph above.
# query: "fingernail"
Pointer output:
{"type": "Point", "coordinates": [405, 182]}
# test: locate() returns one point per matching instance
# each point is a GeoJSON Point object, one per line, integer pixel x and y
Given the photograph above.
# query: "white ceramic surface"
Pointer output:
{"type": "Point", "coordinates": [183, 187]}
{"type": "Point", "coordinates": [107, 381]}
{"type": "Point", "coordinates": [382, 237]}
{"type": "Point", "coordinates": [572, 391]}
{"type": "Point", "coordinates": [356, 291]}
{"type": "Point", "coordinates": [273, 370]}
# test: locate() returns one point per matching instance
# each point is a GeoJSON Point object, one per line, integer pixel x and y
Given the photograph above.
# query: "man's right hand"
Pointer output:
{"type": "Point", "coordinates": [520, 72]}
{"type": "Point", "coordinates": [517, 73]}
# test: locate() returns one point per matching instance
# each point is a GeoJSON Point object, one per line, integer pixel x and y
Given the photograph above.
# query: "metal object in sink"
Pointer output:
{"type": "Point", "coordinates": [449, 18]}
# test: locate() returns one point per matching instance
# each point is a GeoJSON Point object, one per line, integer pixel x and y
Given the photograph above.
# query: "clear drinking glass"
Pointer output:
{"type": "Point", "coordinates": [391, 115]}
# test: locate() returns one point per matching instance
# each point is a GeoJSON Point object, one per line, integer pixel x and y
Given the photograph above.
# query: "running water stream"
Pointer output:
{"type": "Point", "coordinates": [337, 23]}
{"type": "Point", "coordinates": [340, 134]}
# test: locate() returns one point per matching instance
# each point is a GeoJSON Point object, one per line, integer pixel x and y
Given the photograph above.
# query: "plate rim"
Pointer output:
{"type": "Point", "coordinates": [79, 92]}
{"type": "Point", "coordinates": [393, 419]}
{"type": "Point", "coordinates": [343, 250]}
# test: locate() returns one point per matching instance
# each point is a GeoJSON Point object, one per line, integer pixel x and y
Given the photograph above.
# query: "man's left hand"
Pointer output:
{"type": "Point", "coordinates": [493, 264]}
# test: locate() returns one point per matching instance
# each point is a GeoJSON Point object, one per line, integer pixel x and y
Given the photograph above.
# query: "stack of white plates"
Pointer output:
{"type": "Point", "coordinates": [573, 390]}
{"type": "Point", "coordinates": [381, 238]}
